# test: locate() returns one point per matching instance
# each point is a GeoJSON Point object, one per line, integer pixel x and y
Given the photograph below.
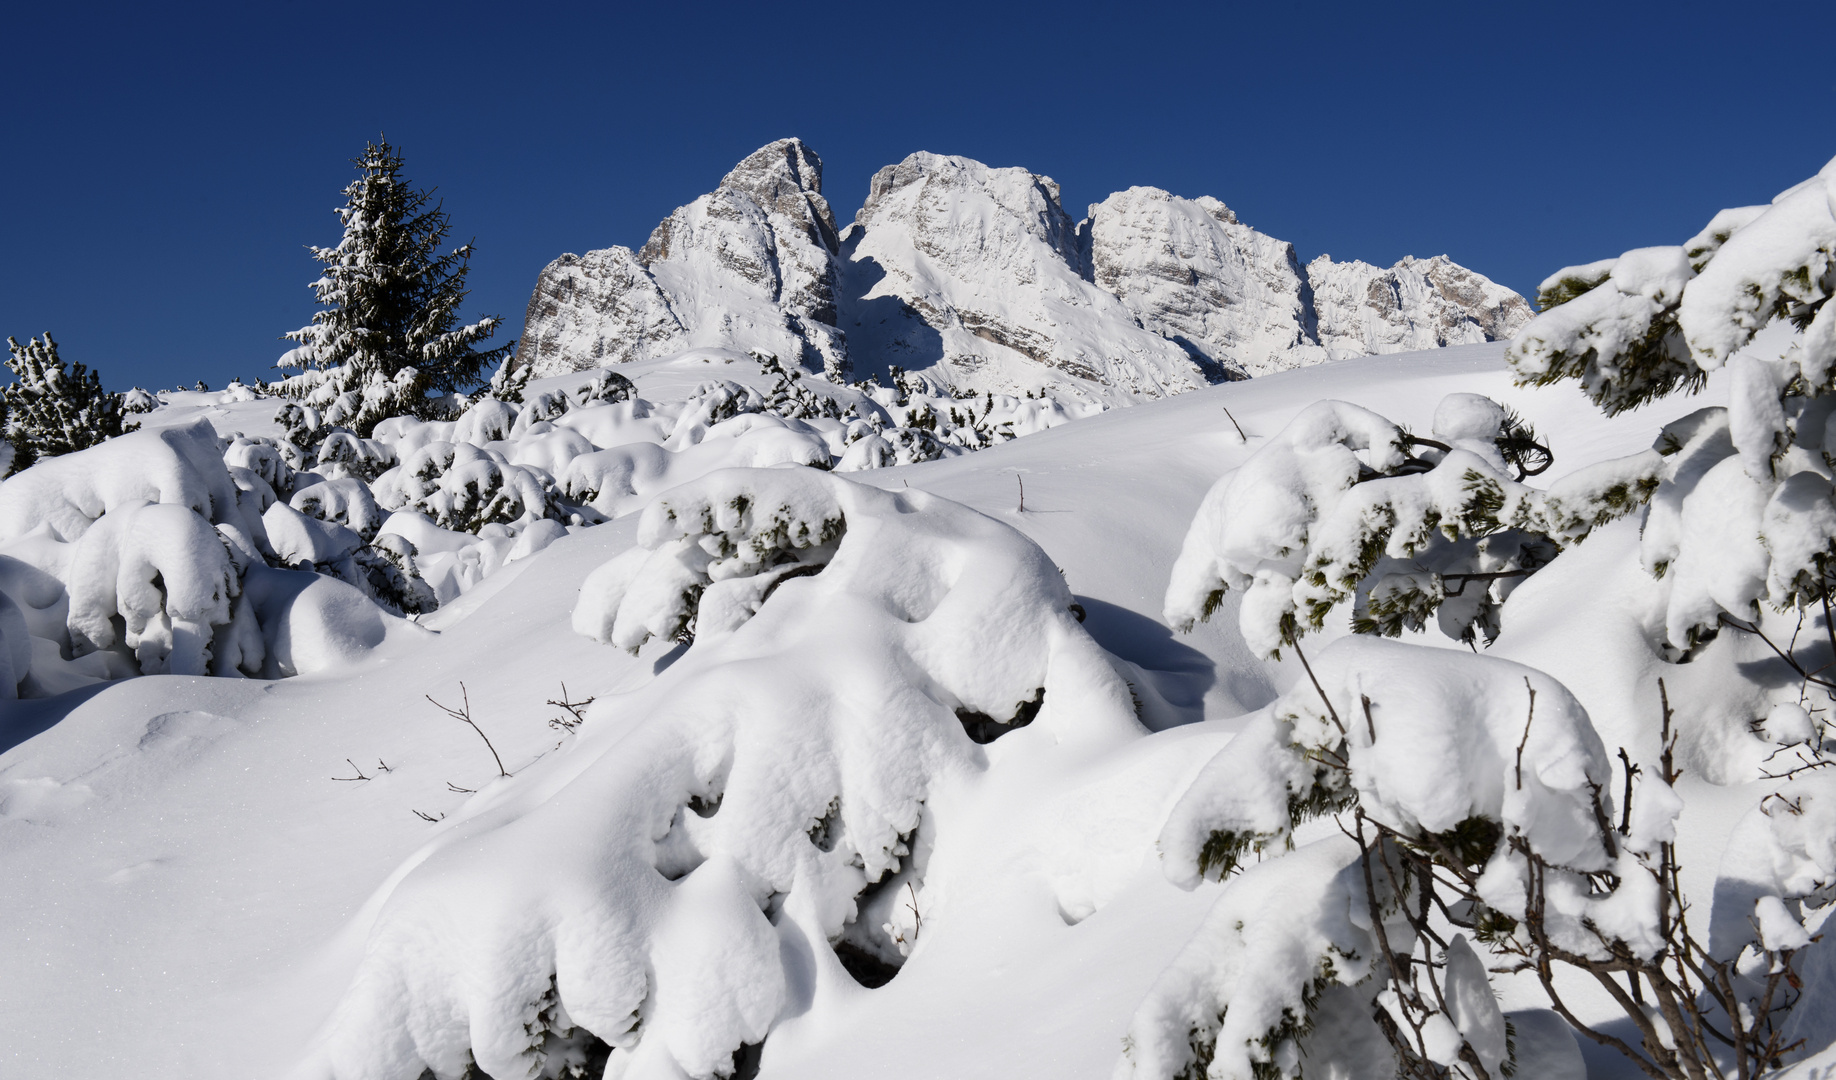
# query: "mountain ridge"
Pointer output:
{"type": "Point", "coordinates": [977, 279]}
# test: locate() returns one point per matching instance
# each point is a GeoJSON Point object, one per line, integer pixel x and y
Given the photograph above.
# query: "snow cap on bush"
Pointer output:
{"type": "Point", "coordinates": [1437, 747]}
{"type": "Point", "coordinates": [650, 884]}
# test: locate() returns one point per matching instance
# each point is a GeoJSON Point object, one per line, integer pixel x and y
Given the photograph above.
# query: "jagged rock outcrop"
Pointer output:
{"type": "Point", "coordinates": [1416, 304]}
{"type": "Point", "coordinates": [1190, 270]}
{"type": "Point", "coordinates": [593, 310]}
{"type": "Point", "coordinates": [749, 265]}
{"type": "Point", "coordinates": [988, 261]}
{"type": "Point", "coordinates": [977, 278]}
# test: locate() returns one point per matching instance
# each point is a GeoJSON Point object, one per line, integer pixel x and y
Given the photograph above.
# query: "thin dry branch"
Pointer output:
{"type": "Point", "coordinates": [464, 715]}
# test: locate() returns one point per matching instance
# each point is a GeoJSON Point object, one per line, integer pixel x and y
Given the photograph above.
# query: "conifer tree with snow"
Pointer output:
{"type": "Point", "coordinates": [52, 410]}
{"type": "Point", "coordinates": [389, 339]}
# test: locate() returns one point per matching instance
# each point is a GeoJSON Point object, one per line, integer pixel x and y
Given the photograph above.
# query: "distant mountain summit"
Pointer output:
{"type": "Point", "coordinates": [977, 278]}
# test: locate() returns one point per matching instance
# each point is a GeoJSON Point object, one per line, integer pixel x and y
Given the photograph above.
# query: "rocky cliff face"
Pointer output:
{"type": "Point", "coordinates": [1188, 269]}
{"type": "Point", "coordinates": [985, 266]}
{"type": "Point", "coordinates": [750, 265]}
{"type": "Point", "coordinates": [979, 279]}
{"type": "Point", "coordinates": [593, 310]}
{"type": "Point", "coordinates": [1416, 304]}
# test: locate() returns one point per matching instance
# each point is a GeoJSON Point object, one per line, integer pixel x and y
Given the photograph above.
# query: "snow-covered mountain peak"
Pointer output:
{"type": "Point", "coordinates": [750, 265]}
{"type": "Point", "coordinates": [987, 263]}
{"type": "Point", "coordinates": [1416, 304]}
{"type": "Point", "coordinates": [977, 278]}
{"type": "Point", "coordinates": [941, 192]}
{"type": "Point", "coordinates": [1190, 270]}
{"type": "Point", "coordinates": [784, 179]}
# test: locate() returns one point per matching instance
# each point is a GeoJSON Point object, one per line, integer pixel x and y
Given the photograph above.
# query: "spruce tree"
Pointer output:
{"type": "Point", "coordinates": [389, 331]}
{"type": "Point", "coordinates": [51, 410]}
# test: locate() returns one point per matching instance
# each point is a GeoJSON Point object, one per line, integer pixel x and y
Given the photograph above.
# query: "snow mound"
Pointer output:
{"type": "Point", "coordinates": [646, 886]}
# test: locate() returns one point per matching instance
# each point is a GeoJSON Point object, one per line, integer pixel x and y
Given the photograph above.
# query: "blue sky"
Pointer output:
{"type": "Point", "coordinates": [167, 166]}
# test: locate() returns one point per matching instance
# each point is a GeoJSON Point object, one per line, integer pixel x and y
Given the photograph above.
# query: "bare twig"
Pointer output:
{"type": "Point", "coordinates": [1022, 484]}
{"type": "Point", "coordinates": [1753, 628]}
{"type": "Point", "coordinates": [1487, 577]}
{"type": "Point", "coordinates": [450, 786]}
{"type": "Point", "coordinates": [1233, 423]}
{"type": "Point", "coordinates": [917, 919]}
{"type": "Point", "coordinates": [359, 772]}
{"type": "Point", "coordinates": [1294, 640]}
{"type": "Point", "coordinates": [1625, 816]}
{"type": "Point", "coordinates": [573, 708]}
{"type": "Point", "coordinates": [1525, 741]}
{"type": "Point", "coordinates": [464, 715]}
{"type": "Point", "coordinates": [425, 817]}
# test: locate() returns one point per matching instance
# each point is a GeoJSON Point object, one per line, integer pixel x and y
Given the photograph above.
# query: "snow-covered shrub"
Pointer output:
{"type": "Point", "coordinates": [344, 454]}
{"type": "Point", "coordinates": [1745, 511]}
{"type": "Point", "coordinates": [263, 457]}
{"type": "Point", "coordinates": [350, 398]}
{"type": "Point", "coordinates": [151, 554]}
{"type": "Point", "coordinates": [712, 402]}
{"type": "Point", "coordinates": [709, 555]}
{"type": "Point", "coordinates": [138, 402]}
{"type": "Point", "coordinates": [157, 578]}
{"type": "Point", "coordinates": [605, 387]}
{"type": "Point", "coordinates": [49, 409]}
{"type": "Point", "coordinates": [1468, 792]}
{"type": "Point", "coordinates": [894, 446]}
{"type": "Point", "coordinates": [346, 501]}
{"type": "Point", "coordinates": [392, 576]}
{"type": "Point", "coordinates": [914, 416]}
{"type": "Point", "coordinates": [789, 398]}
{"type": "Point", "coordinates": [545, 407]}
{"type": "Point", "coordinates": [138, 532]}
{"type": "Point", "coordinates": [508, 382]}
{"type": "Point", "coordinates": [464, 488]}
{"type": "Point", "coordinates": [1280, 971]}
{"type": "Point", "coordinates": [1475, 793]}
{"type": "Point", "coordinates": [623, 477]}
{"type": "Point", "coordinates": [663, 883]}
{"type": "Point", "coordinates": [1344, 505]}
{"type": "Point", "coordinates": [485, 422]}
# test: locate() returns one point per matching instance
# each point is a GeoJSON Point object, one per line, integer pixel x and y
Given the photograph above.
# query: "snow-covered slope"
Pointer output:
{"type": "Point", "coordinates": [978, 278]}
{"type": "Point", "coordinates": [232, 878]}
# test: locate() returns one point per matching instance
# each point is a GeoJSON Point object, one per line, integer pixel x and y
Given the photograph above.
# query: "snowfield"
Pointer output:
{"type": "Point", "coordinates": [933, 732]}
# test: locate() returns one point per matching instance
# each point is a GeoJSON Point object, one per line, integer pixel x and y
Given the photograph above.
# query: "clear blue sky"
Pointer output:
{"type": "Point", "coordinates": [166, 167]}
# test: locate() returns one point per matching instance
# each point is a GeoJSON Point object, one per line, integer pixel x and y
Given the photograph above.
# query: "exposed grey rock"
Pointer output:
{"type": "Point", "coordinates": [593, 310]}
